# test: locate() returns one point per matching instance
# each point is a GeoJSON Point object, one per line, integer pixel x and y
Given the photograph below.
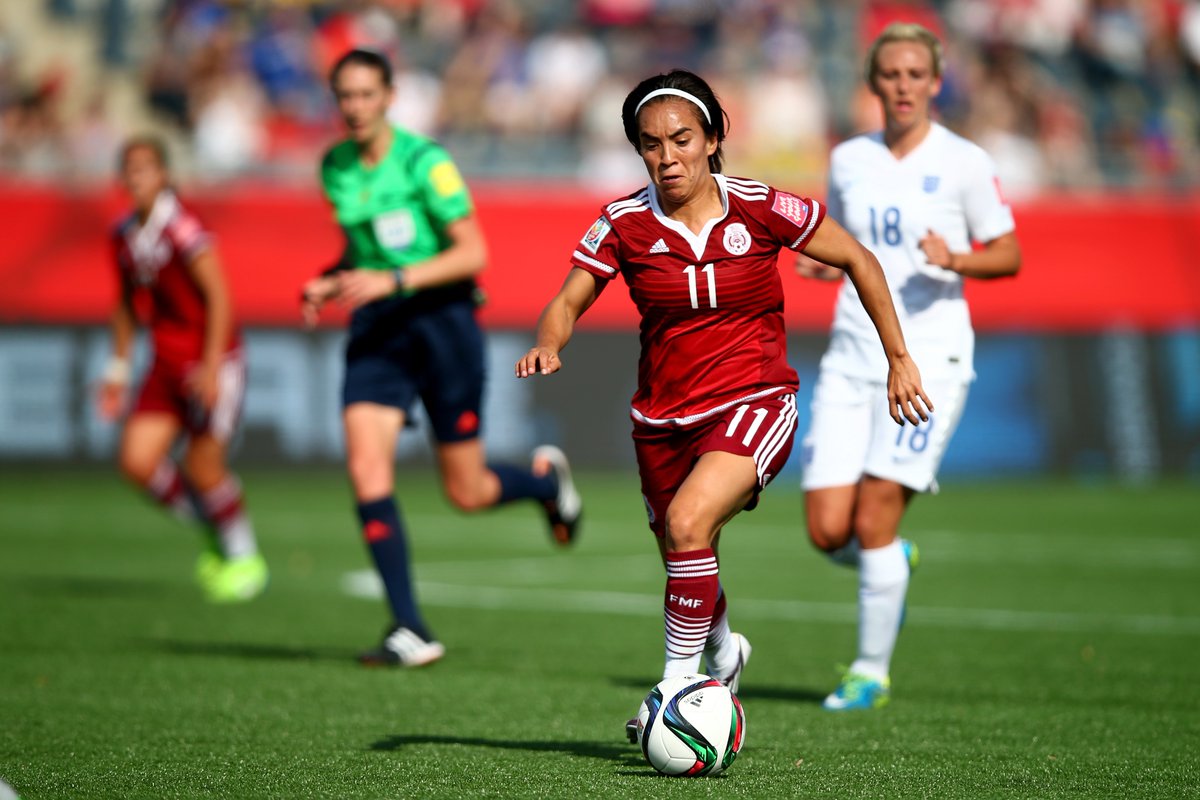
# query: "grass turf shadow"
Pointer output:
{"type": "Point", "coordinates": [90, 587]}
{"type": "Point", "coordinates": [624, 754]}
{"type": "Point", "coordinates": [787, 694]}
{"type": "Point", "coordinates": [250, 650]}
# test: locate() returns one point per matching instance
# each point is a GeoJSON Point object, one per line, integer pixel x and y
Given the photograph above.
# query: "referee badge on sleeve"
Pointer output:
{"type": "Point", "coordinates": [446, 179]}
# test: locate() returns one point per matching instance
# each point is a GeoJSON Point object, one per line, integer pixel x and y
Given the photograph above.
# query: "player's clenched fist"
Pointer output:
{"type": "Point", "coordinates": [314, 295]}
{"type": "Point", "coordinates": [541, 360]}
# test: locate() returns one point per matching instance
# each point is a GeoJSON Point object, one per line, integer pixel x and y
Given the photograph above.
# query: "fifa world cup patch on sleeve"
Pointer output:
{"type": "Point", "coordinates": [791, 207]}
{"type": "Point", "coordinates": [446, 179]}
{"type": "Point", "coordinates": [596, 234]}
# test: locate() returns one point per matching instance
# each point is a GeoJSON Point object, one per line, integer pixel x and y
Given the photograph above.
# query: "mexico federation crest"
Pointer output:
{"type": "Point", "coordinates": [737, 239]}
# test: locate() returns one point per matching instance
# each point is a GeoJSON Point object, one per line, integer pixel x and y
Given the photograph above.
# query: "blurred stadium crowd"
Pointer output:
{"type": "Point", "coordinates": [1065, 94]}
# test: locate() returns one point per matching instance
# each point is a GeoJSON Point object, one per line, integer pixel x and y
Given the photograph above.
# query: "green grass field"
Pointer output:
{"type": "Point", "coordinates": [1050, 651]}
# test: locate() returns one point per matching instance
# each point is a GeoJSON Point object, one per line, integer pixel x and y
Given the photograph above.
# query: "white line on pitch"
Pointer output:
{"type": "Point", "coordinates": [365, 583]}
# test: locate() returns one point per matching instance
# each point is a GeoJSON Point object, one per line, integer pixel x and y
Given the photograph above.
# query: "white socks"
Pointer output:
{"type": "Point", "coordinates": [882, 585]}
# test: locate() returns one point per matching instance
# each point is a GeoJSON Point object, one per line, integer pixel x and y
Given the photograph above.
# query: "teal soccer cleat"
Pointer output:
{"type": "Point", "coordinates": [858, 692]}
{"type": "Point", "coordinates": [912, 554]}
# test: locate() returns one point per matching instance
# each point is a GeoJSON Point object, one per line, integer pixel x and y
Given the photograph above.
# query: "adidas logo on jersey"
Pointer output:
{"type": "Point", "coordinates": [660, 247]}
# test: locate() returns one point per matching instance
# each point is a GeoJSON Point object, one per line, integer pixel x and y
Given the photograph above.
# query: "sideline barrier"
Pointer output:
{"type": "Point", "coordinates": [1091, 263]}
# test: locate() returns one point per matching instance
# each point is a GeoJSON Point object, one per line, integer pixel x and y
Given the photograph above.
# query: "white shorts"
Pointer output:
{"type": "Point", "coordinates": [852, 434]}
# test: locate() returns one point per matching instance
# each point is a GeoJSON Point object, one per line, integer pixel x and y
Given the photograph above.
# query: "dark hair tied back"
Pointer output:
{"type": "Point", "coordinates": [684, 81]}
{"type": "Point", "coordinates": [363, 58]}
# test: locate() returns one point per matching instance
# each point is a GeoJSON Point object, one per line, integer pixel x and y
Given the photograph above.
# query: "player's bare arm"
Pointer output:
{"type": "Point", "coordinates": [114, 383]}
{"type": "Point", "coordinates": [464, 258]}
{"type": "Point", "coordinates": [808, 267]}
{"type": "Point", "coordinates": [205, 270]}
{"type": "Point", "coordinates": [831, 244]}
{"type": "Point", "coordinates": [557, 323]}
{"type": "Point", "coordinates": [1000, 257]}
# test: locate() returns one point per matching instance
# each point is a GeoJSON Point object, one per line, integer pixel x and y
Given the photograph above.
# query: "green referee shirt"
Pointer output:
{"type": "Point", "coordinates": [396, 212]}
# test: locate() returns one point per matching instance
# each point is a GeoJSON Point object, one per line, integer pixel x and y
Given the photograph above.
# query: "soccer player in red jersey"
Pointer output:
{"type": "Point", "coordinates": [714, 413]}
{"type": "Point", "coordinates": [171, 278]}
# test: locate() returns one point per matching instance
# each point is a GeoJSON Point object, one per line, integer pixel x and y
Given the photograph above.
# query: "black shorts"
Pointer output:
{"type": "Point", "coordinates": [429, 346]}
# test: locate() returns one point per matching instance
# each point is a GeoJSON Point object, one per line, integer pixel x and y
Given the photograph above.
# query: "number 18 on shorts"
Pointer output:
{"type": "Point", "coordinates": [852, 434]}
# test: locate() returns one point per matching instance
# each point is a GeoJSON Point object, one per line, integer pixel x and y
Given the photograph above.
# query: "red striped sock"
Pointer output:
{"type": "Point", "coordinates": [223, 505]}
{"type": "Point", "coordinates": [688, 606]}
{"type": "Point", "coordinates": [168, 489]}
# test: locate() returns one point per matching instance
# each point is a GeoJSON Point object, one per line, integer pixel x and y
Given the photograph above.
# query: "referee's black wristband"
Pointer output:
{"type": "Point", "coordinates": [400, 278]}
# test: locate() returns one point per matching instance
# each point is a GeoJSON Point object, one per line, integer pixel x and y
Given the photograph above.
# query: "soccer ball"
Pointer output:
{"type": "Point", "coordinates": [691, 725]}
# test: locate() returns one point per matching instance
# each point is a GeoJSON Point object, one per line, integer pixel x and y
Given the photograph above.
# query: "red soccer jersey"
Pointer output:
{"type": "Point", "coordinates": [711, 304]}
{"type": "Point", "coordinates": [152, 259]}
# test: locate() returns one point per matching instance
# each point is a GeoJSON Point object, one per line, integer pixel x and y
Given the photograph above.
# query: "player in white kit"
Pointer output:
{"type": "Point", "coordinates": [918, 196]}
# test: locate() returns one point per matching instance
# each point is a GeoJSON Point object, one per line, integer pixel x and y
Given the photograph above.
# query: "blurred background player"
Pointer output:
{"type": "Point", "coordinates": [413, 249]}
{"type": "Point", "coordinates": [169, 271]}
{"type": "Point", "coordinates": [918, 196]}
{"type": "Point", "coordinates": [715, 407]}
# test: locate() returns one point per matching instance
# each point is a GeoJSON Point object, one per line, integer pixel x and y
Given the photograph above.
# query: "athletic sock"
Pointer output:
{"type": "Point", "coordinates": [386, 539]}
{"type": "Point", "coordinates": [720, 649]}
{"type": "Point", "coordinates": [225, 510]}
{"type": "Point", "coordinates": [882, 584]}
{"type": "Point", "coordinates": [519, 483]}
{"type": "Point", "coordinates": [168, 488]}
{"type": "Point", "coordinates": [688, 606]}
{"type": "Point", "coordinates": [848, 555]}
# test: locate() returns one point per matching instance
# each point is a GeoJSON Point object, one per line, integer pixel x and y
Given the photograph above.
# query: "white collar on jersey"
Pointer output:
{"type": "Point", "coordinates": [698, 241]}
{"type": "Point", "coordinates": [145, 237]}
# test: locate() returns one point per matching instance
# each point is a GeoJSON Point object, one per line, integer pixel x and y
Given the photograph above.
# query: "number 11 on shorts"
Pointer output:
{"type": "Point", "coordinates": [707, 269]}
{"type": "Point", "coordinates": [759, 415]}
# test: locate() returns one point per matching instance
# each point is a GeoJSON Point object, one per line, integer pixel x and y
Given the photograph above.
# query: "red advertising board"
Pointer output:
{"type": "Point", "coordinates": [1090, 263]}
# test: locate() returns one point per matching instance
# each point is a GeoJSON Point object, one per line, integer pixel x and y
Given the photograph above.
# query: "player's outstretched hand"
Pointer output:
{"type": "Point", "coordinates": [538, 361]}
{"type": "Point", "coordinates": [110, 399]}
{"type": "Point", "coordinates": [906, 399]}
{"type": "Point", "coordinates": [807, 267]}
{"type": "Point", "coordinates": [357, 287]}
{"type": "Point", "coordinates": [201, 383]}
{"type": "Point", "coordinates": [936, 251]}
{"type": "Point", "coordinates": [314, 295]}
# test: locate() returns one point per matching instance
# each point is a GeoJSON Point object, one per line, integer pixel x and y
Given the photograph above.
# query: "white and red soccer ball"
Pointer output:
{"type": "Point", "coordinates": [691, 726]}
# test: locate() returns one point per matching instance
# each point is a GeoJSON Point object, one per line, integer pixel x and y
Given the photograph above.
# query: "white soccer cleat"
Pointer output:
{"type": "Point", "coordinates": [401, 647]}
{"type": "Point", "coordinates": [735, 676]}
{"type": "Point", "coordinates": [564, 511]}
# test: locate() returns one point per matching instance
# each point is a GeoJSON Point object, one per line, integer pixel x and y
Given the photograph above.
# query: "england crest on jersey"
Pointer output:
{"type": "Point", "coordinates": [737, 239]}
{"type": "Point", "coordinates": [931, 184]}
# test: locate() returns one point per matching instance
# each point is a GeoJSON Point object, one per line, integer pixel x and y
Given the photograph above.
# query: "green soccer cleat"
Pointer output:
{"type": "Point", "coordinates": [237, 580]}
{"type": "Point", "coordinates": [859, 692]}
{"type": "Point", "coordinates": [208, 564]}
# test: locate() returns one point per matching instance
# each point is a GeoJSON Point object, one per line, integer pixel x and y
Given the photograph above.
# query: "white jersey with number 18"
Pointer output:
{"type": "Point", "coordinates": [947, 185]}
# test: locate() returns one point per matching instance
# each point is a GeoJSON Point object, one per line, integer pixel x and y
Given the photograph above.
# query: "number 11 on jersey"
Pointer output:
{"type": "Point", "coordinates": [707, 269]}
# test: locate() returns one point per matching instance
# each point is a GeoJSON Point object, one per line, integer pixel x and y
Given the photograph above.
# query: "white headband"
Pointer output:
{"type": "Point", "coordinates": [674, 93]}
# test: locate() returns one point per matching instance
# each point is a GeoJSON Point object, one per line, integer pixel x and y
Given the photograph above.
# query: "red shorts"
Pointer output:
{"type": "Point", "coordinates": [761, 429]}
{"type": "Point", "coordinates": [164, 390]}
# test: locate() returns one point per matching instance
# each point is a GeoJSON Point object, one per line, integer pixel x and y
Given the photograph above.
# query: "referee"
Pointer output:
{"type": "Point", "coordinates": [413, 249]}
